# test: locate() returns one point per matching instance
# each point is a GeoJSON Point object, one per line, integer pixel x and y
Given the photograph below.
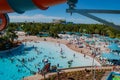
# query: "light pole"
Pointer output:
{"type": "Point", "coordinates": [58, 70]}
{"type": "Point", "coordinates": [94, 71]}
{"type": "Point", "coordinates": [93, 66]}
{"type": "Point", "coordinates": [44, 75]}
{"type": "Point", "coordinates": [58, 74]}
{"type": "Point", "coordinates": [44, 61]}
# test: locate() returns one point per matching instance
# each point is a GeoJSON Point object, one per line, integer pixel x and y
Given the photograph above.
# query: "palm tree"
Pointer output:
{"type": "Point", "coordinates": [110, 33]}
{"type": "Point", "coordinates": [97, 31]}
{"type": "Point", "coordinates": [12, 35]}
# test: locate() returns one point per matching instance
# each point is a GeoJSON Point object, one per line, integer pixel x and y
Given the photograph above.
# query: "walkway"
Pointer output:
{"type": "Point", "coordinates": [39, 77]}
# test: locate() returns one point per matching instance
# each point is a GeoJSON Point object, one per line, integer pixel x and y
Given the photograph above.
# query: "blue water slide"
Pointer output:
{"type": "Point", "coordinates": [20, 6]}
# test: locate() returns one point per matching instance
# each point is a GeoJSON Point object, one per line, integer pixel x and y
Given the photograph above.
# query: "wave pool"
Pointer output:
{"type": "Point", "coordinates": [18, 64]}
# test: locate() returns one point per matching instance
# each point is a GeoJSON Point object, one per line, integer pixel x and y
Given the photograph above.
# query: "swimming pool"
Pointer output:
{"type": "Point", "coordinates": [114, 76]}
{"type": "Point", "coordinates": [18, 64]}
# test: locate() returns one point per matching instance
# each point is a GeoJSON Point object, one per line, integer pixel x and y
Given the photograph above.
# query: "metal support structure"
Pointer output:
{"type": "Point", "coordinates": [93, 64]}
{"type": "Point", "coordinates": [93, 69]}
{"type": "Point", "coordinates": [87, 13]}
{"type": "Point", "coordinates": [95, 11]}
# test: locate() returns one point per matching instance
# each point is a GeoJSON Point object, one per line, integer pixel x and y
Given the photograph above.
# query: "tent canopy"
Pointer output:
{"type": "Point", "coordinates": [114, 46]}
{"type": "Point", "coordinates": [110, 56]}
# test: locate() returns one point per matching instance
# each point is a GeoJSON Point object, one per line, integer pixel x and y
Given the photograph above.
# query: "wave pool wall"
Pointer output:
{"type": "Point", "coordinates": [20, 47]}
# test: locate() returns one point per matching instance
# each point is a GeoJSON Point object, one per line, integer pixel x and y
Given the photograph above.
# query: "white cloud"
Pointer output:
{"type": "Point", "coordinates": [37, 18]}
{"type": "Point", "coordinates": [45, 18]}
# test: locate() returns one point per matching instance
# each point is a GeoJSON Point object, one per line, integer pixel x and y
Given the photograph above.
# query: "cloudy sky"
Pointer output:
{"type": "Point", "coordinates": [59, 12]}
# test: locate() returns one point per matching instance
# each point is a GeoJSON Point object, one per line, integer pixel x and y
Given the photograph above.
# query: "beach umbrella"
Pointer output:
{"type": "Point", "coordinates": [110, 56]}
{"type": "Point", "coordinates": [117, 39]}
{"type": "Point", "coordinates": [87, 41]}
{"type": "Point", "coordinates": [78, 33]}
{"type": "Point", "coordinates": [114, 46]}
{"type": "Point", "coordinates": [70, 33]}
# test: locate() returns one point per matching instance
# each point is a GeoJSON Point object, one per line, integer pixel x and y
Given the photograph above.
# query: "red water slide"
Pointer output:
{"type": "Point", "coordinates": [20, 6]}
{"type": "Point", "coordinates": [44, 4]}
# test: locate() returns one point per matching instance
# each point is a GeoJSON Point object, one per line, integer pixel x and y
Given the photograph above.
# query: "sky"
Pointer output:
{"type": "Point", "coordinates": [59, 12]}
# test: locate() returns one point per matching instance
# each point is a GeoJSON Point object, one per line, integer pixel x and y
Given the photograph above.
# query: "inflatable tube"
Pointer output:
{"type": "Point", "coordinates": [20, 6]}
{"type": "Point", "coordinates": [4, 7]}
{"type": "Point", "coordinates": [44, 4]}
{"type": "Point", "coordinates": [4, 20]}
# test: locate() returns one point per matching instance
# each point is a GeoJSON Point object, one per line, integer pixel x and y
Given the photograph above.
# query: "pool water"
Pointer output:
{"type": "Point", "coordinates": [18, 64]}
{"type": "Point", "coordinates": [114, 76]}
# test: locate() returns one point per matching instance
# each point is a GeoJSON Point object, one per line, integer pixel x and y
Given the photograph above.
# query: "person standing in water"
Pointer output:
{"type": "Point", "coordinates": [74, 55]}
{"type": "Point", "coordinates": [39, 71]}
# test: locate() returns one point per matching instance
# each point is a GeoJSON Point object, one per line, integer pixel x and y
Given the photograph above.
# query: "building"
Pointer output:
{"type": "Point", "coordinates": [59, 21]}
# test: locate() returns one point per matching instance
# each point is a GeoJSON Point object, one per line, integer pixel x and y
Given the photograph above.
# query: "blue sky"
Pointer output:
{"type": "Point", "coordinates": [59, 12]}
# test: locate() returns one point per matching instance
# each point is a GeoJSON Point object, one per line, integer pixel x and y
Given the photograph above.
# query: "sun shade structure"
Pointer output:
{"type": "Point", "coordinates": [114, 46]}
{"type": "Point", "coordinates": [110, 56]}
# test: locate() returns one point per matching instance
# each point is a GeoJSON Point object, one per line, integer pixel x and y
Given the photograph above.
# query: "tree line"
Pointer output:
{"type": "Point", "coordinates": [33, 28]}
{"type": "Point", "coordinates": [8, 36]}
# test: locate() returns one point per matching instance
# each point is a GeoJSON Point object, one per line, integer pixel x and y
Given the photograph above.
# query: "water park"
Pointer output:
{"type": "Point", "coordinates": [46, 55]}
{"type": "Point", "coordinates": [58, 50]}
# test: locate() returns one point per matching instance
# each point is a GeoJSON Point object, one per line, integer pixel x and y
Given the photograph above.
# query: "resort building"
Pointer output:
{"type": "Point", "coordinates": [59, 21]}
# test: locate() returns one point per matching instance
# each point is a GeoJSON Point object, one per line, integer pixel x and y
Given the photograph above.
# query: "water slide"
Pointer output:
{"type": "Point", "coordinates": [20, 6]}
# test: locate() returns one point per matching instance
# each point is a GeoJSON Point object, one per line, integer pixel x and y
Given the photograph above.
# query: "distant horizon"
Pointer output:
{"type": "Point", "coordinates": [51, 22]}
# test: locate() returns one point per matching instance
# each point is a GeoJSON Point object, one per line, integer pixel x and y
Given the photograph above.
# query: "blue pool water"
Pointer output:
{"type": "Point", "coordinates": [12, 68]}
{"type": "Point", "coordinates": [110, 76]}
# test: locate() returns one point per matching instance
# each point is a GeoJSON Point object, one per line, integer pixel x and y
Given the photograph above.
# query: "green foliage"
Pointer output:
{"type": "Point", "coordinates": [11, 34]}
{"type": "Point", "coordinates": [7, 39]}
{"type": "Point", "coordinates": [53, 29]}
{"type": "Point", "coordinates": [33, 28]}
